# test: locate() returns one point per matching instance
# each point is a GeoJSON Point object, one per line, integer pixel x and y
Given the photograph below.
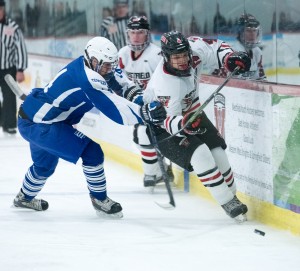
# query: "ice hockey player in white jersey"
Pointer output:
{"type": "Point", "coordinates": [199, 147]}
{"type": "Point", "coordinates": [140, 57]}
{"type": "Point", "coordinates": [249, 39]}
{"type": "Point", "coordinates": [138, 60]}
{"type": "Point", "coordinates": [48, 115]}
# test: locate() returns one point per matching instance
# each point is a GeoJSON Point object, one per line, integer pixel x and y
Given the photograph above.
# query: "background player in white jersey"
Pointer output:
{"type": "Point", "coordinates": [47, 116]}
{"type": "Point", "coordinates": [140, 57]}
{"type": "Point", "coordinates": [249, 39]}
{"type": "Point", "coordinates": [199, 148]}
{"type": "Point", "coordinates": [138, 60]}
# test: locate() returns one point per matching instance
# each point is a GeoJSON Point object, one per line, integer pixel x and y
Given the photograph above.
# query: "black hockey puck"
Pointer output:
{"type": "Point", "coordinates": [262, 233]}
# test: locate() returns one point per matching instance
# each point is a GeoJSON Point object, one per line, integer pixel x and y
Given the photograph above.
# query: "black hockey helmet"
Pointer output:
{"type": "Point", "coordinates": [247, 20]}
{"type": "Point", "coordinates": [138, 23]}
{"type": "Point", "coordinates": [175, 43]}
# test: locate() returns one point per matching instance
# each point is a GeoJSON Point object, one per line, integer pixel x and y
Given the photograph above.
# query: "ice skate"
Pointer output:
{"type": "Point", "coordinates": [107, 208]}
{"type": "Point", "coordinates": [152, 180]}
{"type": "Point", "coordinates": [10, 131]}
{"type": "Point", "coordinates": [170, 176]}
{"type": "Point", "coordinates": [236, 210]}
{"type": "Point", "coordinates": [34, 204]}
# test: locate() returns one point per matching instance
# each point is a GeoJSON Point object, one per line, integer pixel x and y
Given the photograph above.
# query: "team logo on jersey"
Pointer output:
{"type": "Point", "coordinates": [219, 111]}
{"type": "Point", "coordinates": [142, 83]}
{"type": "Point", "coordinates": [98, 81]}
{"type": "Point", "coordinates": [141, 78]}
{"type": "Point", "coordinates": [188, 99]}
{"type": "Point", "coordinates": [164, 100]}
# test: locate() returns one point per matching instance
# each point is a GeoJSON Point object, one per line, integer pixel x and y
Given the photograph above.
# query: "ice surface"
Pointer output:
{"type": "Point", "coordinates": [197, 235]}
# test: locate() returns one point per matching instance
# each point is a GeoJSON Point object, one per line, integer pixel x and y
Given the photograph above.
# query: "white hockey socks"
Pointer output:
{"type": "Point", "coordinates": [209, 174]}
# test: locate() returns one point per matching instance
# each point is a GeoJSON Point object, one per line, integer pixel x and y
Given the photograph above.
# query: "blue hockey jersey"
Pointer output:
{"type": "Point", "coordinates": [75, 90]}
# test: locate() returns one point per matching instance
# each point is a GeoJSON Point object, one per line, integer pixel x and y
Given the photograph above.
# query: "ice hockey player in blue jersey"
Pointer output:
{"type": "Point", "coordinates": [47, 116]}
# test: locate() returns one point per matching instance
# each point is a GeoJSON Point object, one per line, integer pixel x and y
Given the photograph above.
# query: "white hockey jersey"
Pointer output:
{"type": "Point", "coordinates": [119, 82]}
{"type": "Point", "coordinates": [180, 95]}
{"type": "Point", "coordinates": [140, 69]}
{"type": "Point", "coordinates": [256, 71]}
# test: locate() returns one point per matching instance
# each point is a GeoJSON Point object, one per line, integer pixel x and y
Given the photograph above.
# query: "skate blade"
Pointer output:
{"type": "Point", "coordinates": [23, 209]}
{"type": "Point", "coordinates": [240, 218]}
{"type": "Point", "coordinates": [20, 208]}
{"type": "Point", "coordinates": [109, 216]}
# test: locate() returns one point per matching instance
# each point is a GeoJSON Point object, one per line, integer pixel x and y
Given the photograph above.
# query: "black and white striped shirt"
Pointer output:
{"type": "Point", "coordinates": [115, 30]}
{"type": "Point", "coordinates": [13, 51]}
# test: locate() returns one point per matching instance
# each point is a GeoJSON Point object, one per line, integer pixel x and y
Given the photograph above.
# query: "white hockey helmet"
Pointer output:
{"type": "Point", "coordinates": [103, 50]}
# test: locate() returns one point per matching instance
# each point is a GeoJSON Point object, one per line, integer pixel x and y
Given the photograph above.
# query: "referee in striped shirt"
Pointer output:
{"type": "Point", "coordinates": [13, 60]}
{"type": "Point", "coordinates": [114, 28]}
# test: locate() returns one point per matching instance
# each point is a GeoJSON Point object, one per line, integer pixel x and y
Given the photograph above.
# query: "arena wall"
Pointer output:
{"type": "Point", "coordinates": [259, 121]}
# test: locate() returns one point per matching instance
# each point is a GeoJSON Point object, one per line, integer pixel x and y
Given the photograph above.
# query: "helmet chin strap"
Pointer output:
{"type": "Point", "coordinates": [89, 61]}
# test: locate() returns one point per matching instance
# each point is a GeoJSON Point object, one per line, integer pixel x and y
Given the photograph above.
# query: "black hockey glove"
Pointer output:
{"type": "Point", "coordinates": [194, 127]}
{"type": "Point", "coordinates": [135, 95]}
{"type": "Point", "coordinates": [238, 59]}
{"type": "Point", "coordinates": [153, 113]}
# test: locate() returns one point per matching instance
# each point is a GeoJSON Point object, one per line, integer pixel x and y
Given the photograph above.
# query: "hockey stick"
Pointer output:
{"type": "Point", "coordinates": [10, 81]}
{"type": "Point", "coordinates": [201, 108]}
{"type": "Point", "coordinates": [171, 204]}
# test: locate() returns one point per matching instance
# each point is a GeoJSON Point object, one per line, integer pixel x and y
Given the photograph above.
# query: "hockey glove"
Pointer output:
{"type": "Point", "coordinates": [238, 59]}
{"type": "Point", "coordinates": [153, 113]}
{"type": "Point", "coordinates": [193, 127]}
{"type": "Point", "coordinates": [135, 95]}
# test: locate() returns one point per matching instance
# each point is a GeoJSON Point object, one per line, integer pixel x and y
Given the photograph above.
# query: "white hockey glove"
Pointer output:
{"type": "Point", "coordinates": [153, 113]}
{"type": "Point", "coordinates": [135, 95]}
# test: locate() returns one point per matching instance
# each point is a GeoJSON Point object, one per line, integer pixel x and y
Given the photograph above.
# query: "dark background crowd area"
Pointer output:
{"type": "Point", "coordinates": [42, 18]}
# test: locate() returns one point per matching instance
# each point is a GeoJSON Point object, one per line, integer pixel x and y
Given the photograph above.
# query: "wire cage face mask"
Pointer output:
{"type": "Point", "coordinates": [171, 64]}
{"type": "Point", "coordinates": [104, 67]}
{"type": "Point", "coordinates": [251, 37]}
{"type": "Point", "coordinates": [249, 31]}
{"type": "Point", "coordinates": [136, 27]}
{"type": "Point", "coordinates": [138, 47]}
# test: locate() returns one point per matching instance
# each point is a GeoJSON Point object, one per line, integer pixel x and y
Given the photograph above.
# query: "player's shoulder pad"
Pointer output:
{"type": "Point", "coordinates": [124, 50]}
{"type": "Point", "coordinates": [154, 47]}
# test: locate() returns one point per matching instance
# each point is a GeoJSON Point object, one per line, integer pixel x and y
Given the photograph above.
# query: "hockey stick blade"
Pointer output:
{"type": "Point", "coordinates": [166, 206]}
{"type": "Point", "coordinates": [14, 87]}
